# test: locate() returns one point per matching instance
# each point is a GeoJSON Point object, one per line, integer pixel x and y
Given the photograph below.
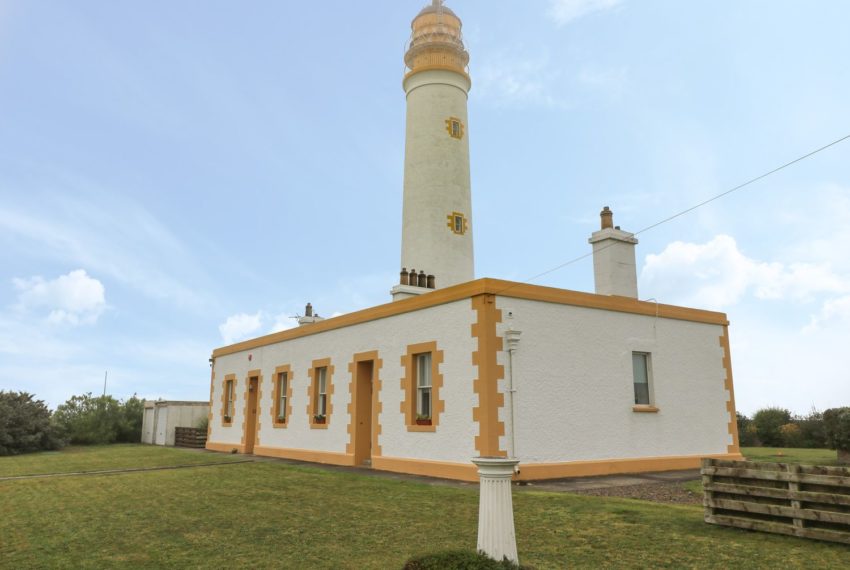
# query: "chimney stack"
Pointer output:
{"type": "Point", "coordinates": [309, 317]}
{"type": "Point", "coordinates": [614, 267]}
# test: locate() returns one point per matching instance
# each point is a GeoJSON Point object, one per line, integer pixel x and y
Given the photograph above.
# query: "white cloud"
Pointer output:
{"type": "Point", "coordinates": [565, 11]}
{"type": "Point", "coordinates": [72, 299]}
{"type": "Point", "coordinates": [716, 275]}
{"type": "Point", "coordinates": [239, 326]}
{"type": "Point", "coordinates": [507, 79]}
{"type": "Point", "coordinates": [140, 250]}
{"type": "Point", "coordinates": [833, 310]}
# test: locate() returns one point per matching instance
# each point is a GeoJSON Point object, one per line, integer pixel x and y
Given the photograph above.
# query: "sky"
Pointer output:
{"type": "Point", "coordinates": [177, 176]}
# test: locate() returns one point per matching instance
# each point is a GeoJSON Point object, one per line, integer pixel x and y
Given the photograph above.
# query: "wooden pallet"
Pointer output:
{"type": "Point", "coordinates": [798, 500]}
{"type": "Point", "coordinates": [190, 437]}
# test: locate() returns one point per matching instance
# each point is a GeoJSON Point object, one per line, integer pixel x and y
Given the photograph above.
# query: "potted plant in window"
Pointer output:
{"type": "Point", "coordinates": [319, 419]}
{"type": "Point", "coordinates": [227, 419]}
{"type": "Point", "coordinates": [423, 420]}
{"type": "Point", "coordinates": [281, 419]}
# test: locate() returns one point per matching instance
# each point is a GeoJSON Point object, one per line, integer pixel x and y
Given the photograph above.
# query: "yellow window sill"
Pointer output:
{"type": "Point", "coordinates": [421, 428]}
{"type": "Point", "coordinates": [645, 409]}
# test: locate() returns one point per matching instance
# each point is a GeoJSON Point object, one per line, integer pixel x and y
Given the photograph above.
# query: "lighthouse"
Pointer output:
{"type": "Point", "coordinates": [436, 241]}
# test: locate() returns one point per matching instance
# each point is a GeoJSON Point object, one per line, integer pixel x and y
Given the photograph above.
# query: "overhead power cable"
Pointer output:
{"type": "Point", "coordinates": [692, 208]}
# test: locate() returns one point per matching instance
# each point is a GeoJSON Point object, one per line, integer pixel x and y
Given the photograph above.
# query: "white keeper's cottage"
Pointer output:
{"type": "Point", "coordinates": [569, 383]}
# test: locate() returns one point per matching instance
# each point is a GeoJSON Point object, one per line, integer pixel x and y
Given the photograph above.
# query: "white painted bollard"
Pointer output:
{"type": "Point", "coordinates": [496, 535]}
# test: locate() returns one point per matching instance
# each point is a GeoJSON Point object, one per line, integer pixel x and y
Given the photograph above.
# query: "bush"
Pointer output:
{"type": "Point", "coordinates": [836, 423]}
{"type": "Point", "coordinates": [746, 431]}
{"type": "Point", "coordinates": [768, 422]}
{"type": "Point", "coordinates": [103, 419]}
{"type": "Point", "coordinates": [791, 435]}
{"type": "Point", "coordinates": [25, 425]}
{"type": "Point", "coordinates": [812, 433]}
{"type": "Point", "coordinates": [203, 424]}
{"type": "Point", "coordinates": [132, 414]}
{"type": "Point", "coordinates": [459, 560]}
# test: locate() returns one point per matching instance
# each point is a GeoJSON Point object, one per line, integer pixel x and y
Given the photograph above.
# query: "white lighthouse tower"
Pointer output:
{"type": "Point", "coordinates": [436, 242]}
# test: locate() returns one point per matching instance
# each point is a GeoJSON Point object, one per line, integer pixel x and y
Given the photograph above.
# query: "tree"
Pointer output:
{"type": "Point", "coordinates": [836, 423]}
{"type": "Point", "coordinates": [768, 422]}
{"type": "Point", "coordinates": [25, 425]}
{"type": "Point", "coordinates": [90, 420]}
{"type": "Point", "coordinates": [102, 419]}
{"type": "Point", "coordinates": [132, 411]}
{"type": "Point", "coordinates": [811, 430]}
{"type": "Point", "coordinates": [746, 431]}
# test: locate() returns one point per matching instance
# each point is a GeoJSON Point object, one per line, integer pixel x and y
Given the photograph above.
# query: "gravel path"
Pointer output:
{"type": "Point", "coordinates": [673, 493]}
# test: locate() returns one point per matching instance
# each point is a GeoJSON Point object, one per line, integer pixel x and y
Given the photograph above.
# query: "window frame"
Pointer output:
{"type": "Point", "coordinates": [455, 127]}
{"type": "Point", "coordinates": [314, 395]}
{"type": "Point", "coordinates": [422, 368]}
{"type": "Point", "coordinates": [228, 400]}
{"type": "Point", "coordinates": [410, 384]}
{"type": "Point", "coordinates": [646, 373]}
{"type": "Point", "coordinates": [282, 395]}
{"type": "Point", "coordinates": [457, 228]}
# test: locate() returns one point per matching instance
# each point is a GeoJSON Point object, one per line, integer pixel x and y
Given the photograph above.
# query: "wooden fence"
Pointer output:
{"type": "Point", "coordinates": [190, 437]}
{"type": "Point", "coordinates": [800, 500]}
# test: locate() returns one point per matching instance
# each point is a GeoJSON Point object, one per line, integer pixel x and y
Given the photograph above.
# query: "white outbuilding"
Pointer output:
{"type": "Point", "coordinates": [162, 417]}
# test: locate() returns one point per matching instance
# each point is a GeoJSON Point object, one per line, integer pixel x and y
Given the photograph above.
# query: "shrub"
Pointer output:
{"type": "Point", "coordinates": [101, 419]}
{"type": "Point", "coordinates": [768, 422]}
{"type": "Point", "coordinates": [836, 422]}
{"type": "Point", "coordinates": [459, 560]}
{"type": "Point", "coordinates": [25, 425]}
{"type": "Point", "coordinates": [812, 432]}
{"type": "Point", "coordinates": [203, 424]}
{"type": "Point", "coordinates": [746, 431]}
{"type": "Point", "coordinates": [791, 435]}
{"type": "Point", "coordinates": [132, 413]}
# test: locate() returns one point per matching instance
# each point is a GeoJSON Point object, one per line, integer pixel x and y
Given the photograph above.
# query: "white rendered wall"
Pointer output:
{"type": "Point", "coordinates": [182, 415]}
{"type": "Point", "coordinates": [574, 385]}
{"type": "Point", "coordinates": [449, 325]}
{"type": "Point", "coordinates": [436, 178]}
{"type": "Point", "coordinates": [147, 425]}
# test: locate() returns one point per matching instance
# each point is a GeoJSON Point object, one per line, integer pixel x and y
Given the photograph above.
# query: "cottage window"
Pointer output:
{"type": "Point", "coordinates": [423, 385]}
{"type": "Point", "coordinates": [322, 391]}
{"type": "Point", "coordinates": [282, 381]}
{"type": "Point", "coordinates": [227, 399]}
{"type": "Point", "coordinates": [641, 372]}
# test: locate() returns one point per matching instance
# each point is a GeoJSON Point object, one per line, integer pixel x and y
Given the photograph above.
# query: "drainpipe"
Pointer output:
{"type": "Point", "coordinates": [512, 339]}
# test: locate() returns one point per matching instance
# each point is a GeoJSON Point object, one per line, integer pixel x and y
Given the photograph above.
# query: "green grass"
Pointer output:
{"type": "Point", "coordinates": [791, 455]}
{"type": "Point", "coordinates": [105, 457]}
{"type": "Point", "coordinates": [273, 515]}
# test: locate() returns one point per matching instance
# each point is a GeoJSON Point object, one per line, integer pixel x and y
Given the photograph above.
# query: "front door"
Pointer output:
{"type": "Point", "coordinates": [251, 412]}
{"type": "Point", "coordinates": [363, 413]}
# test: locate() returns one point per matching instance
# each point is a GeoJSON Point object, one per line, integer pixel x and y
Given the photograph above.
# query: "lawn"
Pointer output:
{"type": "Point", "coordinates": [274, 515]}
{"type": "Point", "coordinates": [791, 455]}
{"type": "Point", "coordinates": [105, 457]}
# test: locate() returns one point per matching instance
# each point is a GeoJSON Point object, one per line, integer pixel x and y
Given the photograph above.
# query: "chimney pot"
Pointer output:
{"type": "Point", "coordinates": [431, 282]}
{"type": "Point", "coordinates": [607, 218]}
{"type": "Point", "coordinates": [422, 279]}
{"type": "Point", "coordinates": [403, 276]}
